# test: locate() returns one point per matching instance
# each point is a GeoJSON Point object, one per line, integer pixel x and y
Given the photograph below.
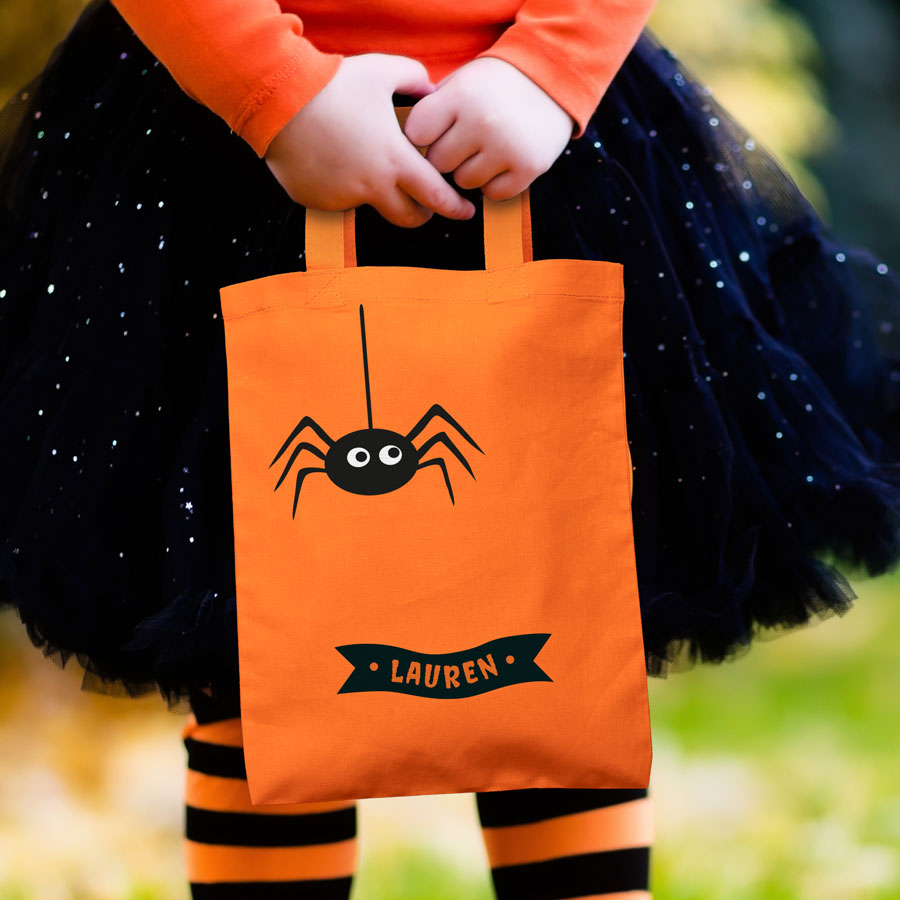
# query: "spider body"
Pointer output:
{"type": "Point", "coordinates": [372, 461]}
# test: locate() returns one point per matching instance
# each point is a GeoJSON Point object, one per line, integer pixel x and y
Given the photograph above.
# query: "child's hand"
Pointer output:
{"type": "Point", "coordinates": [315, 160]}
{"type": "Point", "coordinates": [490, 125]}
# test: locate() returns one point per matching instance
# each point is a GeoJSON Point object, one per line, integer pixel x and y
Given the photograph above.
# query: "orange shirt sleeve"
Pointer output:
{"type": "Point", "coordinates": [246, 61]}
{"type": "Point", "coordinates": [572, 48]}
{"type": "Point", "coordinates": [249, 62]}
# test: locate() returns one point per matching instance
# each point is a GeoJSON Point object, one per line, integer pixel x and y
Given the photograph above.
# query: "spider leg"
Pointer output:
{"type": "Point", "coordinates": [300, 476]}
{"type": "Point", "coordinates": [306, 420]}
{"type": "Point", "coordinates": [301, 446]}
{"type": "Point", "coordinates": [438, 410]}
{"type": "Point", "coordinates": [440, 462]}
{"type": "Point", "coordinates": [442, 438]}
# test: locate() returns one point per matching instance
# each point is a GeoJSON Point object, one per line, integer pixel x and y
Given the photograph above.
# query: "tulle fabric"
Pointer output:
{"type": "Point", "coordinates": [762, 362]}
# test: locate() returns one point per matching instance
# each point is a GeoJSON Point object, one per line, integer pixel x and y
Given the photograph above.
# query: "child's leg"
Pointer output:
{"type": "Point", "coordinates": [553, 843]}
{"type": "Point", "coordinates": [233, 849]}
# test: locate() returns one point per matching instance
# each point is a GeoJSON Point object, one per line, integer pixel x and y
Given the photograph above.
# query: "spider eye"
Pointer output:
{"type": "Point", "coordinates": [390, 455]}
{"type": "Point", "coordinates": [358, 457]}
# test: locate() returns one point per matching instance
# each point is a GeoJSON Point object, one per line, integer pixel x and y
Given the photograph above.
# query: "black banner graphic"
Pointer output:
{"type": "Point", "coordinates": [503, 661]}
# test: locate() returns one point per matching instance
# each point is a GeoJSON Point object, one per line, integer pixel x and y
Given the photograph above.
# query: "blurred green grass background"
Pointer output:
{"type": "Point", "coordinates": [774, 776]}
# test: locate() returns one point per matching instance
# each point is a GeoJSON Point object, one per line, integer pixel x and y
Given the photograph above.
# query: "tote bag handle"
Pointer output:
{"type": "Point", "coordinates": [331, 235]}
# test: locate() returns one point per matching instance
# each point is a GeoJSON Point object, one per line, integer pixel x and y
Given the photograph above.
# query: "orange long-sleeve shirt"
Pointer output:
{"type": "Point", "coordinates": [255, 63]}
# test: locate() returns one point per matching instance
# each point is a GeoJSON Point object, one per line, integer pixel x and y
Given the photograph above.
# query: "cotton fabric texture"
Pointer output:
{"type": "Point", "coordinates": [761, 362]}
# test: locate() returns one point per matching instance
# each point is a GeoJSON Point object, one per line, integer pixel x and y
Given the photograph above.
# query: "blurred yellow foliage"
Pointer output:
{"type": "Point", "coordinates": [28, 33]}
{"type": "Point", "coordinates": [760, 60]}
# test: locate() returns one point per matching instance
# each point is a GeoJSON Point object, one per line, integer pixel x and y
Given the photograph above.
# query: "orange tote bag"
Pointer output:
{"type": "Point", "coordinates": [435, 570]}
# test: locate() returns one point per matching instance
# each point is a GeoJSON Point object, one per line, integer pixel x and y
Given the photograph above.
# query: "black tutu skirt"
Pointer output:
{"type": "Point", "coordinates": [762, 361]}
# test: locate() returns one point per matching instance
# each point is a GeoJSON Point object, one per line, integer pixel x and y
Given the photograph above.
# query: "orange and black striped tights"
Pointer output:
{"type": "Point", "coordinates": [542, 844]}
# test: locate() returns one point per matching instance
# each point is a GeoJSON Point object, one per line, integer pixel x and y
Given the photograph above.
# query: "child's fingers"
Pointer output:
{"type": "Point", "coordinates": [409, 76]}
{"type": "Point", "coordinates": [427, 121]}
{"type": "Point", "coordinates": [424, 184]}
{"type": "Point", "coordinates": [505, 185]}
{"type": "Point", "coordinates": [400, 209]}
{"type": "Point", "coordinates": [452, 149]}
{"type": "Point", "coordinates": [476, 171]}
